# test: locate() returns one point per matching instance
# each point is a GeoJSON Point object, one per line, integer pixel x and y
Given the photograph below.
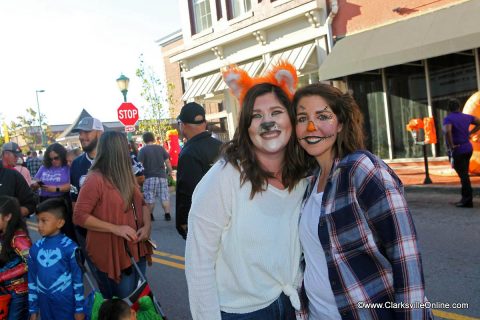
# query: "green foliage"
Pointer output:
{"type": "Point", "coordinates": [27, 127]}
{"type": "Point", "coordinates": [155, 113]}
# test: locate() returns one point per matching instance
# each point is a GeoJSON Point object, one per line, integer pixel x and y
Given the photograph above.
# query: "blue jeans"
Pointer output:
{"type": "Point", "coordinates": [18, 308]}
{"type": "Point", "coordinates": [280, 309]}
{"type": "Point", "coordinates": [128, 282]}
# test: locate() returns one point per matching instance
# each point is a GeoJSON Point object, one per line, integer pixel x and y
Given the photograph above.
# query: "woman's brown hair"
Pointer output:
{"type": "Point", "coordinates": [240, 152]}
{"type": "Point", "coordinates": [114, 163]}
{"type": "Point", "coordinates": [351, 137]}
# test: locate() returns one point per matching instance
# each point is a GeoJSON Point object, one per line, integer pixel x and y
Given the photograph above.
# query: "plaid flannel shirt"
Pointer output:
{"type": "Point", "coordinates": [369, 241]}
{"type": "Point", "coordinates": [33, 164]}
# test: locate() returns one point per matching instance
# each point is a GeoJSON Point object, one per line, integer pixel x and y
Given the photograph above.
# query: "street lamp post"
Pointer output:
{"type": "Point", "coordinates": [42, 133]}
{"type": "Point", "coordinates": [122, 83]}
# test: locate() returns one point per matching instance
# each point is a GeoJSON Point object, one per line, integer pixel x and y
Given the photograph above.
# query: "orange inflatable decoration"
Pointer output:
{"type": "Point", "coordinates": [173, 146]}
{"type": "Point", "coordinates": [472, 106]}
{"type": "Point", "coordinates": [429, 128]}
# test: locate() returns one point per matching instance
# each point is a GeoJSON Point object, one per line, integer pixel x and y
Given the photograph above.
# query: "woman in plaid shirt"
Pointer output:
{"type": "Point", "coordinates": [359, 241]}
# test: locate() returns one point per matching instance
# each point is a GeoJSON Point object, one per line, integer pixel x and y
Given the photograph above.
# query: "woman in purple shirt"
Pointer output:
{"type": "Point", "coordinates": [53, 179]}
{"type": "Point", "coordinates": [457, 136]}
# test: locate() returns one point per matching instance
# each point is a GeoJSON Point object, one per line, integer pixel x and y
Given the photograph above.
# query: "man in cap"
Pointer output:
{"type": "Point", "coordinates": [12, 183]}
{"type": "Point", "coordinates": [10, 154]}
{"type": "Point", "coordinates": [89, 130]}
{"type": "Point", "coordinates": [197, 156]}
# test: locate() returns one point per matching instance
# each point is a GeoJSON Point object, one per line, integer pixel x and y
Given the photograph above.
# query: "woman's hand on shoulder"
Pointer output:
{"type": "Point", "coordinates": [125, 232]}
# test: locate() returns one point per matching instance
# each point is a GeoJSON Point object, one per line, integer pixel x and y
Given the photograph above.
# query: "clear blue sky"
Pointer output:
{"type": "Point", "coordinates": [75, 50]}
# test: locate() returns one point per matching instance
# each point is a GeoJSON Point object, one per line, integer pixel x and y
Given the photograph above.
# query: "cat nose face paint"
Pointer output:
{"type": "Point", "coordinates": [311, 127]}
{"type": "Point", "coordinates": [267, 126]}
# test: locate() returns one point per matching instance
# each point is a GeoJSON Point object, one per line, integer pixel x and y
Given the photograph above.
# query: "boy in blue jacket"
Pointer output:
{"type": "Point", "coordinates": [54, 277]}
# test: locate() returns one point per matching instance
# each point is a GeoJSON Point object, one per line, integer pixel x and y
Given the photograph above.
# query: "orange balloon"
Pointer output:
{"type": "Point", "coordinates": [472, 106]}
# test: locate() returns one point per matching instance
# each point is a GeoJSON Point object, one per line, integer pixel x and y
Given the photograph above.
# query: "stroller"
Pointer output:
{"type": "Point", "coordinates": [142, 299]}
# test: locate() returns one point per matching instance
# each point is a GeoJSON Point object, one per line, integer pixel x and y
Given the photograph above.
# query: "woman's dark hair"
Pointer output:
{"type": "Point", "coordinates": [240, 151]}
{"type": "Point", "coordinates": [113, 309]}
{"type": "Point", "coordinates": [148, 137]}
{"type": "Point", "coordinates": [351, 137]}
{"type": "Point", "coordinates": [58, 149]}
{"type": "Point", "coordinates": [453, 105]}
{"type": "Point", "coordinates": [56, 206]}
{"type": "Point", "coordinates": [10, 205]}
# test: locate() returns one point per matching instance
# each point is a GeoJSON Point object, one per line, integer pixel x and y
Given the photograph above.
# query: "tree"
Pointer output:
{"type": "Point", "coordinates": [28, 128]}
{"type": "Point", "coordinates": [156, 115]}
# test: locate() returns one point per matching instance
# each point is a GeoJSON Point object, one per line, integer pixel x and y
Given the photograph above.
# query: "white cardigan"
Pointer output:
{"type": "Point", "coordinates": [240, 253]}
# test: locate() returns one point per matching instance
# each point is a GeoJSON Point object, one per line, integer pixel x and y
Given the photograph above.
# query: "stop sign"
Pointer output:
{"type": "Point", "coordinates": [127, 114]}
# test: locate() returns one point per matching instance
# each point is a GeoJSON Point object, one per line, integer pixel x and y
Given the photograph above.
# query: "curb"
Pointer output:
{"type": "Point", "coordinates": [440, 188]}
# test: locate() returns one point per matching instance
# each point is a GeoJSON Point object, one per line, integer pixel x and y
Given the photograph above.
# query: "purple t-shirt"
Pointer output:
{"type": "Point", "coordinates": [53, 176]}
{"type": "Point", "coordinates": [460, 134]}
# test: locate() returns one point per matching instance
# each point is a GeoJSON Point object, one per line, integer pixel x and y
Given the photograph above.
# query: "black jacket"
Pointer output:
{"type": "Point", "coordinates": [13, 184]}
{"type": "Point", "coordinates": [196, 158]}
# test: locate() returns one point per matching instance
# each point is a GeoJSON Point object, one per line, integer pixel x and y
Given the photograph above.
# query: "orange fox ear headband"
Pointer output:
{"type": "Point", "coordinates": [283, 75]}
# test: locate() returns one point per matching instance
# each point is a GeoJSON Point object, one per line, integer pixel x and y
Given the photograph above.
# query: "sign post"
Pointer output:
{"type": "Point", "coordinates": [128, 115]}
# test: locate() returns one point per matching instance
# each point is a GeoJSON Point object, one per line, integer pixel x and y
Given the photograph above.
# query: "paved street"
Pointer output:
{"type": "Point", "coordinates": [448, 238]}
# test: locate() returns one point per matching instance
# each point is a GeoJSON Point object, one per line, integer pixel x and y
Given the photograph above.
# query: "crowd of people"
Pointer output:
{"type": "Point", "coordinates": [291, 219]}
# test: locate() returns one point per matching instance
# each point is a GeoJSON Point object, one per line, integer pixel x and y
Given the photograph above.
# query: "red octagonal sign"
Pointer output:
{"type": "Point", "coordinates": [127, 114]}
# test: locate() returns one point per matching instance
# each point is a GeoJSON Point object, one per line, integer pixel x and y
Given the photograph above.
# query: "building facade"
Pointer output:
{"type": "Point", "coordinates": [171, 45]}
{"type": "Point", "coordinates": [405, 62]}
{"type": "Point", "coordinates": [253, 34]}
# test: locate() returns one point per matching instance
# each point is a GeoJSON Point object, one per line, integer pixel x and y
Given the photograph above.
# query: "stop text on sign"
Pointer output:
{"type": "Point", "coordinates": [127, 114]}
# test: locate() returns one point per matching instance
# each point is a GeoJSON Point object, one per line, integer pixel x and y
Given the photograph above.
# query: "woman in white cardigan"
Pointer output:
{"type": "Point", "coordinates": [243, 251]}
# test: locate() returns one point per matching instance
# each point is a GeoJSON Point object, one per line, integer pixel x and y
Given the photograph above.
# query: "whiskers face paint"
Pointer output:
{"type": "Point", "coordinates": [270, 128]}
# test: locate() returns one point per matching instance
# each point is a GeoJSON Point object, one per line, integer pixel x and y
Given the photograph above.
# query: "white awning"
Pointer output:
{"type": "Point", "coordinates": [452, 29]}
{"type": "Point", "coordinates": [297, 56]}
{"type": "Point", "coordinates": [252, 68]}
{"type": "Point", "coordinates": [201, 86]}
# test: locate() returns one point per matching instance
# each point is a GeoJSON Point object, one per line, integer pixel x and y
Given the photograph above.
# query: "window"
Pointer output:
{"type": "Point", "coordinates": [200, 15]}
{"type": "Point", "coordinates": [218, 4]}
{"type": "Point", "coordinates": [236, 8]}
{"type": "Point", "coordinates": [407, 96]}
{"type": "Point", "coordinates": [368, 92]}
{"type": "Point", "coordinates": [451, 76]}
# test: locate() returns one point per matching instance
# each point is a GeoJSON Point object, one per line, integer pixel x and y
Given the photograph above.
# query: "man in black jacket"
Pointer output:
{"type": "Point", "coordinates": [197, 156]}
{"type": "Point", "coordinates": [13, 184]}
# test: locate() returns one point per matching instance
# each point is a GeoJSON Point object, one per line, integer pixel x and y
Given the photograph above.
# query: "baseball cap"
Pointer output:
{"type": "Point", "coordinates": [190, 111]}
{"type": "Point", "coordinates": [12, 147]}
{"type": "Point", "coordinates": [88, 124]}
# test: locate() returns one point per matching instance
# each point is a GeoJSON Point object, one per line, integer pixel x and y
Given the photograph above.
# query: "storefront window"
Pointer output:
{"type": "Point", "coordinates": [407, 95]}
{"type": "Point", "coordinates": [307, 79]}
{"type": "Point", "coordinates": [368, 92]}
{"type": "Point", "coordinates": [451, 76]}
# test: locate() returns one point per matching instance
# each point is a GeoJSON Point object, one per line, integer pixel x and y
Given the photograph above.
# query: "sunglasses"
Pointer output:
{"type": "Point", "coordinates": [55, 158]}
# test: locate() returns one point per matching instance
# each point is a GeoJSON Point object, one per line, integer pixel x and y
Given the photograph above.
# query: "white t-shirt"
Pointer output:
{"type": "Point", "coordinates": [241, 254]}
{"type": "Point", "coordinates": [322, 303]}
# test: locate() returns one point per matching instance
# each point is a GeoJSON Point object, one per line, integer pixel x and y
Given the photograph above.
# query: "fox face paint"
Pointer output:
{"type": "Point", "coordinates": [270, 129]}
{"type": "Point", "coordinates": [317, 126]}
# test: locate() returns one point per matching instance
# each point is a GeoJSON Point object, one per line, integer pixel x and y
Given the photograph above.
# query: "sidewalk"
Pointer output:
{"type": "Point", "coordinates": [442, 175]}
